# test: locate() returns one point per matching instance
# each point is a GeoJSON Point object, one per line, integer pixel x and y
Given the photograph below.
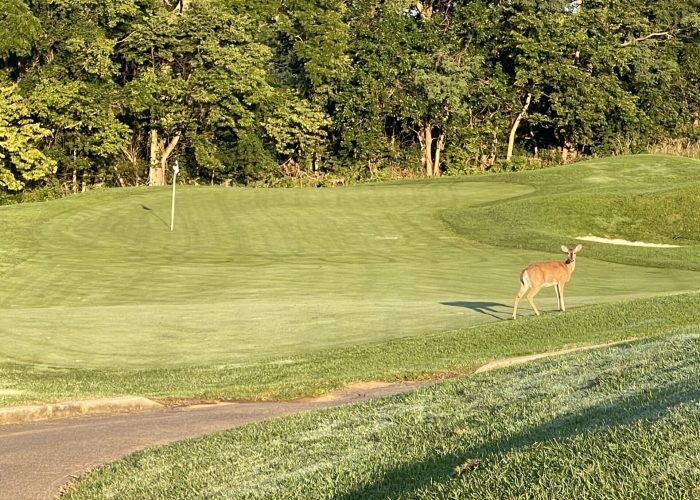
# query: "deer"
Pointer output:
{"type": "Point", "coordinates": [541, 274]}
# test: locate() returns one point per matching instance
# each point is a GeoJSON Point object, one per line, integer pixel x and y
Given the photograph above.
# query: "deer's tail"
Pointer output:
{"type": "Point", "coordinates": [524, 278]}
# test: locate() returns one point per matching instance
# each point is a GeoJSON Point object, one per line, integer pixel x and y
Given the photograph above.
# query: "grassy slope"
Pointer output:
{"type": "Point", "coordinates": [100, 298]}
{"type": "Point", "coordinates": [620, 422]}
{"type": "Point", "coordinates": [641, 198]}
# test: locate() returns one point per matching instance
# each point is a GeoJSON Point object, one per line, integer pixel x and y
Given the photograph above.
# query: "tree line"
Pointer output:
{"type": "Point", "coordinates": [274, 92]}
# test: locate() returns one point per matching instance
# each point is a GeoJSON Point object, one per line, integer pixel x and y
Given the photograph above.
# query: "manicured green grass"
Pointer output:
{"type": "Point", "coordinates": [621, 422]}
{"type": "Point", "coordinates": [100, 298]}
{"type": "Point", "coordinates": [274, 294]}
{"type": "Point", "coordinates": [643, 198]}
{"type": "Point", "coordinates": [100, 281]}
{"type": "Point", "coordinates": [417, 357]}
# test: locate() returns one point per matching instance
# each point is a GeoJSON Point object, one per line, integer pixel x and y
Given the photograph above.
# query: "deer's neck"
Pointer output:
{"type": "Point", "coordinates": [570, 266]}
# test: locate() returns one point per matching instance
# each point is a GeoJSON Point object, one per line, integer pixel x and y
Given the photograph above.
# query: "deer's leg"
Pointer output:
{"type": "Point", "coordinates": [560, 295]}
{"type": "Point", "coordinates": [557, 290]}
{"type": "Point", "coordinates": [521, 292]}
{"type": "Point", "coordinates": [531, 296]}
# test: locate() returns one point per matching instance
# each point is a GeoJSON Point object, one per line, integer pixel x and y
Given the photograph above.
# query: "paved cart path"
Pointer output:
{"type": "Point", "coordinates": [38, 459]}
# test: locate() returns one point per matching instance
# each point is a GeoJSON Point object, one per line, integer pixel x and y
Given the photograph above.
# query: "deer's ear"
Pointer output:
{"type": "Point", "coordinates": [578, 248]}
{"type": "Point", "coordinates": [565, 249]}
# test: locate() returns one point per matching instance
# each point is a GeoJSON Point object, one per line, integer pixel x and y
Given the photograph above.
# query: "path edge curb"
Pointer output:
{"type": "Point", "coordinates": [125, 404]}
{"type": "Point", "coordinates": [35, 413]}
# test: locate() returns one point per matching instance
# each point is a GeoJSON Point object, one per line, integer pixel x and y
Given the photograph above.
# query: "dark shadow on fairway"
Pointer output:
{"type": "Point", "coordinates": [645, 407]}
{"type": "Point", "coordinates": [486, 308]}
{"type": "Point", "coordinates": [150, 211]}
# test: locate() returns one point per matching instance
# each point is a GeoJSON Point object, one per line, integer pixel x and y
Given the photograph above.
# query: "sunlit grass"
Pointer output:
{"type": "Point", "coordinates": [643, 198]}
{"type": "Point", "coordinates": [280, 294]}
{"type": "Point", "coordinates": [100, 298]}
{"type": "Point", "coordinates": [426, 356]}
{"type": "Point", "coordinates": [621, 422]}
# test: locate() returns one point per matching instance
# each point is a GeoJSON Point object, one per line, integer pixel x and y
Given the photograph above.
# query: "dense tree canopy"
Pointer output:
{"type": "Point", "coordinates": [268, 92]}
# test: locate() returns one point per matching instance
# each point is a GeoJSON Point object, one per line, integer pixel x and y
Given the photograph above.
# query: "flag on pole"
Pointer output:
{"type": "Point", "coordinates": [176, 169]}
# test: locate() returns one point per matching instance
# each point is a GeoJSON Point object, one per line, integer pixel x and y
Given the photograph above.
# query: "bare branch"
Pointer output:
{"type": "Point", "coordinates": [666, 34]}
{"type": "Point", "coordinates": [516, 123]}
{"type": "Point", "coordinates": [171, 146]}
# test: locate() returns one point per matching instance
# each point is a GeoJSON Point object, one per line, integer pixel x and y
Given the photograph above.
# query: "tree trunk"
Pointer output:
{"type": "Point", "coordinates": [568, 153]}
{"type": "Point", "coordinates": [155, 177]}
{"type": "Point", "coordinates": [425, 137]}
{"type": "Point", "coordinates": [439, 148]}
{"type": "Point", "coordinates": [430, 160]}
{"type": "Point", "coordinates": [373, 169]}
{"type": "Point", "coordinates": [425, 9]}
{"type": "Point", "coordinates": [159, 158]}
{"type": "Point", "coordinates": [177, 6]}
{"type": "Point", "coordinates": [166, 154]}
{"type": "Point", "coordinates": [516, 124]}
{"type": "Point", "coordinates": [75, 174]}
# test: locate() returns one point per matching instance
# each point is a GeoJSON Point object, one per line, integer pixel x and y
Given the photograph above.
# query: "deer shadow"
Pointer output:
{"type": "Point", "coordinates": [487, 308]}
{"type": "Point", "coordinates": [154, 214]}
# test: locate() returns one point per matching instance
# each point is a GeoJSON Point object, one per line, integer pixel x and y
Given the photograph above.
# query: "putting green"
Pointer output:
{"type": "Point", "coordinates": [98, 280]}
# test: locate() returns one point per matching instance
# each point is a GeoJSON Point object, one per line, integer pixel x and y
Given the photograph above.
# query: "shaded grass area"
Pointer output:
{"type": "Point", "coordinates": [620, 422]}
{"type": "Point", "coordinates": [420, 357]}
{"type": "Point", "coordinates": [640, 198]}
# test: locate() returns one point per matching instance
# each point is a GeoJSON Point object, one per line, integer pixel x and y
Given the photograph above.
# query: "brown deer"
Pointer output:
{"type": "Point", "coordinates": [553, 273]}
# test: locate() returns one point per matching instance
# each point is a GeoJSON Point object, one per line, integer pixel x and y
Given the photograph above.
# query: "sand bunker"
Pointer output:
{"type": "Point", "coordinates": [618, 241]}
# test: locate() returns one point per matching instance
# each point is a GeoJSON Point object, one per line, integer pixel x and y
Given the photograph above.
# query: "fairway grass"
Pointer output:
{"type": "Point", "coordinates": [431, 356]}
{"type": "Point", "coordinates": [619, 422]}
{"type": "Point", "coordinates": [270, 293]}
{"type": "Point", "coordinates": [278, 294]}
{"type": "Point", "coordinates": [248, 274]}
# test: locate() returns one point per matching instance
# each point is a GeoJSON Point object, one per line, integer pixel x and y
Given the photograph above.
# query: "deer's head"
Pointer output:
{"type": "Point", "coordinates": [571, 253]}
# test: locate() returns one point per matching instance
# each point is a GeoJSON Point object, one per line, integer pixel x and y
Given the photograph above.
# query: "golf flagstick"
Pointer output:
{"type": "Point", "coordinates": [176, 169]}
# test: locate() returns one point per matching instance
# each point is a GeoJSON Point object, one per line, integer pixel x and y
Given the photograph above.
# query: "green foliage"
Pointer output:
{"type": "Point", "coordinates": [200, 74]}
{"type": "Point", "coordinates": [47, 192]}
{"type": "Point", "coordinates": [19, 29]}
{"type": "Point", "coordinates": [316, 38]}
{"type": "Point", "coordinates": [21, 159]}
{"type": "Point", "coordinates": [353, 88]}
{"type": "Point", "coordinates": [254, 162]}
{"type": "Point", "coordinates": [82, 116]}
{"type": "Point", "coordinates": [297, 127]}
